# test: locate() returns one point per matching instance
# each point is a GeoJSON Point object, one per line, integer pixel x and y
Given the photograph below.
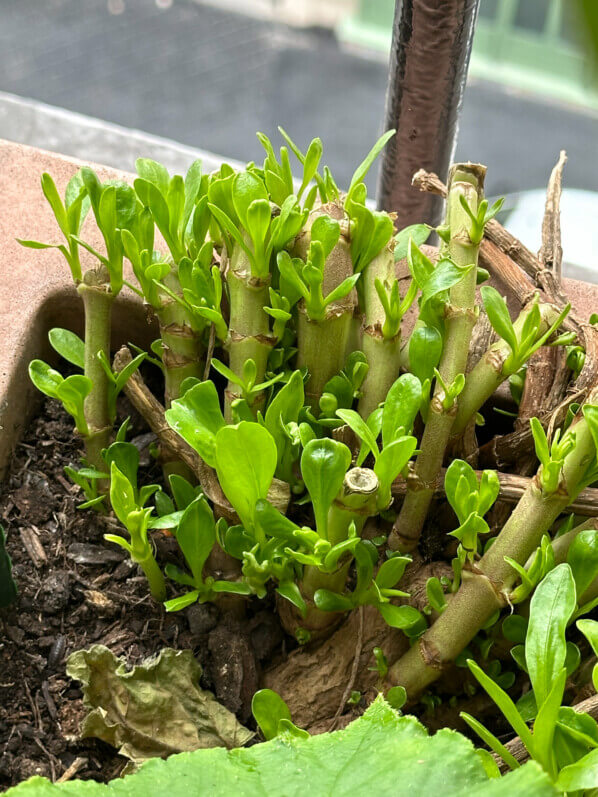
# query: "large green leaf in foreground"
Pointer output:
{"type": "Point", "coordinates": [380, 753]}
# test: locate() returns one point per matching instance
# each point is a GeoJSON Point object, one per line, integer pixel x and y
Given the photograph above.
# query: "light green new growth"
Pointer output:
{"type": "Point", "coordinates": [465, 194]}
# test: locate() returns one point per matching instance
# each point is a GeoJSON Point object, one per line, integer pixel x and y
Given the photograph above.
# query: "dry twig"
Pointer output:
{"type": "Point", "coordinates": [71, 771]}
{"type": "Point", "coordinates": [551, 252]}
{"type": "Point", "coordinates": [547, 374]}
{"type": "Point", "coordinates": [33, 546]}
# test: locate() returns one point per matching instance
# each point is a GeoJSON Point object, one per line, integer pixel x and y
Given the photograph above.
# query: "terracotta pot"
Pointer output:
{"type": "Point", "coordinates": [36, 289]}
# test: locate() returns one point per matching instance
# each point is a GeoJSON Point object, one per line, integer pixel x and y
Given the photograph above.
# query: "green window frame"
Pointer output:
{"type": "Point", "coordinates": [548, 61]}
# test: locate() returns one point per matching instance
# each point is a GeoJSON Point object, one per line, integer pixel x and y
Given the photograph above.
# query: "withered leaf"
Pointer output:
{"type": "Point", "coordinates": [154, 709]}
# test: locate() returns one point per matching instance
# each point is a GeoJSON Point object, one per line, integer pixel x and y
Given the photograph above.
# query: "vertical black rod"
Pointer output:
{"type": "Point", "coordinates": [431, 45]}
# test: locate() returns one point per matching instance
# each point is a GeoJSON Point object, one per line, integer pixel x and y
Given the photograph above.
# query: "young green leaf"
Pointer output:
{"type": "Point", "coordinates": [259, 216]}
{"type": "Point", "coordinates": [425, 350]}
{"type": "Point", "coordinates": [590, 413]}
{"type": "Point", "coordinates": [391, 461]}
{"type": "Point", "coordinates": [311, 163]}
{"type": "Point", "coordinates": [45, 379]}
{"type": "Point", "coordinates": [326, 231]}
{"type": "Point", "coordinates": [291, 592]}
{"type": "Point", "coordinates": [71, 391]}
{"type": "Point", "coordinates": [196, 535]}
{"type": "Point", "coordinates": [505, 704]}
{"type": "Point", "coordinates": [461, 487]}
{"type": "Point", "coordinates": [374, 424]}
{"type": "Point", "coordinates": [197, 417]}
{"type": "Point", "coordinates": [419, 233]}
{"type": "Point", "coordinates": [421, 267]}
{"type": "Point", "coordinates": [402, 617]}
{"type": "Point", "coordinates": [323, 466]}
{"type": "Point", "coordinates": [273, 522]}
{"type": "Point", "coordinates": [183, 492]}
{"type": "Point", "coordinates": [282, 410]}
{"type": "Point", "coordinates": [55, 202]}
{"type": "Point", "coordinates": [582, 558]}
{"type": "Point", "coordinates": [514, 628]}
{"type": "Point", "coordinates": [581, 775]}
{"type": "Point", "coordinates": [68, 345]}
{"type": "Point", "coordinates": [126, 458]}
{"type": "Point", "coordinates": [435, 594]}
{"type": "Point", "coordinates": [342, 290]}
{"type": "Point", "coordinates": [359, 426]}
{"type": "Point", "coordinates": [247, 188]}
{"type": "Point", "coordinates": [154, 172]}
{"type": "Point", "coordinates": [328, 601]}
{"type": "Point", "coordinates": [488, 491]}
{"type": "Point", "coordinates": [182, 601]}
{"type": "Point", "coordinates": [545, 723]}
{"type": "Point", "coordinates": [498, 314]}
{"type": "Point", "coordinates": [491, 740]}
{"type": "Point", "coordinates": [232, 588]}
{"type": "Point", "coordinates": [575, 735]}
{"type": "Point", "coordinates": [268, 708]}
{"type": "Point", "coordinates": [401, 407]}
{"type": "Point", "coordinates": [122, 495]}
{"type": "Point", "coordinates": [391, 571]}
{"type": "Point", "coordinates": [446, 275]}
{"type": "Point", "coordinates": [551, 608]}
{"type": "Point", "coordinates": [365, 165]}
{"type": "Point", "coordinates": [245, 462]}
{"type": "Point", "coordinates": [193, 188]}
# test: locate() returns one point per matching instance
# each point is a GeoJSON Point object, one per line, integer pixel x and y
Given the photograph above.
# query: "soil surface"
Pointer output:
{"type": "Point", "coordinates": [76, 590]}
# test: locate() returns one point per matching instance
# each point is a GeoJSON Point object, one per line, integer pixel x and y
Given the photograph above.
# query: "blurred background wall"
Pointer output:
{"type": "Point", "coordinates": [209, 74]}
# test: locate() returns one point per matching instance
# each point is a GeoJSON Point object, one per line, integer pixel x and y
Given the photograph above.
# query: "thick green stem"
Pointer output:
{"type": "Point", "coordinates": [465, 181]}
{"type": "Point", "coordinates": [181, 358]}
{"type": "Point", "coordinates": [313, 580]}
{"type": "Point", "coordinates": [323, 344]}
{"type": "Point", "coordinates": [321, 349]}
{"type": "Point", "coordinates": [422, 478]}
{"type": "Point", "coordinates": [355, 502]}
{"type": "Point", "coordinates": [490, 372]}
{"type": "Point", "coordinates": [485, 589]}
{"type": "Point", "coordinates": [354, 338]}
{"type": "Point", "coordinates": [383, 355]}
{"type": "Point", "coordinates": [181, 344]}
{"type": "Point", "coordinates": [249, 327]}
{"type": "Point", "coordinates": [380, 345]}
{"type": "Point", "coordinates": [97, 303]}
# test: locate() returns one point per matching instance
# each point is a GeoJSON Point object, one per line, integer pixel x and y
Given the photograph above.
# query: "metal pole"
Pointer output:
{"type": "Point", "coordinates": [431, 45]}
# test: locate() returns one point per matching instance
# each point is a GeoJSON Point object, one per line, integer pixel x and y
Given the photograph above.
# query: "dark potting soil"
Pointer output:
{"type": "Point", "coordinates": [76, 590]}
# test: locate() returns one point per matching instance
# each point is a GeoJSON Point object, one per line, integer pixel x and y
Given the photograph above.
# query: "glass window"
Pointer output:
{"type": "Point", "coordinates": [488, 9]}
{"type": "Point", "coordinates": [532, 14]}
{"type": "Point", "coordinates": [571, 24]}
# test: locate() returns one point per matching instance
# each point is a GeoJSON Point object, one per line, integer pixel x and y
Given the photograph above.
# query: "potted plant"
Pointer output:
{"type": "Point", "coordinates": [392, 475]}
